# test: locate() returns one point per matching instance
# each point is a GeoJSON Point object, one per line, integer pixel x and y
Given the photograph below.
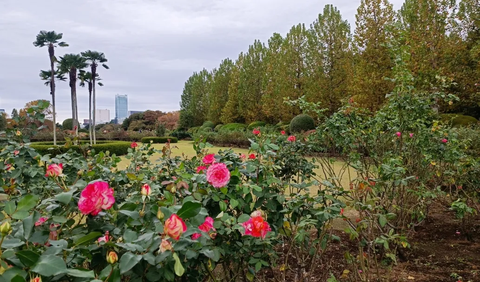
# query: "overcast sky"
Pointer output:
{"type": "Point", "coordinates": [152, 46]}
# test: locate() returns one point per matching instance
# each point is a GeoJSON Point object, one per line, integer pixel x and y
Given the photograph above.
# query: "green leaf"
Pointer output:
{"type": "Point", "coordinates": [27, 257]}
{"type": "Point", "coordinates": [81, 273]}
{"type": "Point", "coordinates": [115, 277]}
{"type": "Point", "coordinates": [28, 202]}
{"type": "Point", "coordinates": [128, 261]}
{"type": "Point", "coordinates": [28, 224]}
{"type": "Point", "coordinates": [87, 238]}
{"type": "Point", "coordinates": [18, 278]}
{"type": "Point", "coordinates": [50, 265]}
{"type": "Point", "coordinates": [243, 218]}
{"type": "Point", "coordinates": [178, 267]}
{"type": "Point", "coordinates": [11, 273]}
{"type": "Point", "coordinates": [65, 197]}
{"type": "Point", "coordinates": [382, 220]}
{"type": "Point", "coordinates": [12, 243]}
{"type": "Point", "coordinates": [189, 209]}
{"type": "Point", "coordinates": [59, 219]}
{"type": "Point", "coordinates": [20, 215]}
{"type": "Point", "coordinates": [223, 206]}
{"type": "Point", "coordinates": [257, 188]}
{"type": "Point", "coordinates": [10, 207]}
{"type": "Point", "coordinates": [234, 203]}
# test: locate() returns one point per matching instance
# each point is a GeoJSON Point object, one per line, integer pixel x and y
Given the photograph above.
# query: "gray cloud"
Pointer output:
{"type": "Point", "coordinates": [152, 46]}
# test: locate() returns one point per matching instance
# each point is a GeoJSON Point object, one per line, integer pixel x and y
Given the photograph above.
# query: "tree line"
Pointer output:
{"type": "Point", "coordinates": [326, 63]}
{"type": "Point", "coordinates": [73, 66]}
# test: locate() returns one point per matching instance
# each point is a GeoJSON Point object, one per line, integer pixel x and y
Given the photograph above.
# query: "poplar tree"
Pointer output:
{"type": "Point", "coordinates": [220, 80]}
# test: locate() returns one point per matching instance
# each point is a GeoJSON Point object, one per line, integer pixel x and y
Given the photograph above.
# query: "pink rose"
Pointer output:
{"type": "Point", "coordinates": [218, 175]}
{"type": "Point", "coordinates": [41, 221]}
{"type": "Point", "coordinates": [146, 190]}
{"type": "Point", "coordinates": [256, 131]}
{"type": "Point", "coordinates": [291, 138]}
{"type": "Point", "coordinates": [243, 157]}
{"type": "Point", "coordinates": [16, 152]}
{"type": "Point", "coordinates": [133, 145]}
{"type": "Point", "coordinates": [209, 159]}
{"type": "Point", "coordinates": [195, 236]}
{"type": "Point", "coordinates": [444, 140]}
{"type": "Point", "coordinates": [282, 132]}
{"type": "Point", "coordinates": [411, 135]}
{"type": "Point", "coordinates": [251, 156]}
{"type": "Point", "coordinates": [174, 227]}
{"type": "Point", "coordinates": [95, 197]}
{"type": "Point", "coordinates": [165, 246]}
{"type": "Point", "coordinates": [398, 134]}
{"type": "Point", "coordinates": [54, 170]}
{"type": "Point", "coordinates": [256, 227]}
{"type": "Point", "coordinates": [201, 168]}
{"type": "Point", "coordinates": [207, 225]}
{"type": "Point", "coordinates": [105, 238]}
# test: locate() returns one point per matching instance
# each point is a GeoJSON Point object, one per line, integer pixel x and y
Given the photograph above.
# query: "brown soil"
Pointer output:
{"type": "Point", "coordinates": [439, 252]}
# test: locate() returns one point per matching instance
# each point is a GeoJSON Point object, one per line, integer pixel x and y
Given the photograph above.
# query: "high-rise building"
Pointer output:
{"type": "Point", "coordinates": [121, 107]}
{"type": "Point", "coordinates": [2, 111]}
{"type": "Point", "coordinates": [134, 112]}
{"type": "Point", "coordinates": [102, 116]}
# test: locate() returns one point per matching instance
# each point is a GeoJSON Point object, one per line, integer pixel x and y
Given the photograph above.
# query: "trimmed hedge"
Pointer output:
{"type": "Point", "coordinates": [458, 120]}
{"type": "Point", "coordinates": [158, 140]}
{"type": "Point", "coordinates": [218, 127]}
{"type": "Point", "coordinates": [180, 134]}
{"type": "Point", "coordinates": [302, 123]}
{"type": "Point", "coordinates": [234, 126]}
{"type": "Point", "coordinates": [114, 147]}
{"type": "Point", "coordinates": [256, 124]}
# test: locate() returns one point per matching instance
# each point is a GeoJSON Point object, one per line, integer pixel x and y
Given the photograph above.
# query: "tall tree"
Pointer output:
{"type": "Point", "coordinates": [94, 58]}
{"type": "Point", "coordinates": [330, 45]}
{"type": "Point", "coordinates": [186, 115]}
{"type": "Point", "coordinates": [86, 79]}
{"type": "Point", "coordinates": [219, 90]}
{"type": "Point", "coordinates": [374, 30]}
{"type": "Point", "coordinates": [52, 40]}
{"type": "Point", "coordinates": [426, 23]}
{"type": "Point", "coordinates": [231, 112]}
{"type": "Point", "coordinates": [272, 99]}
{"type": "Point", "coordinates": [71, 64]}
{"type": "Point", "coordinates": [250, 84]}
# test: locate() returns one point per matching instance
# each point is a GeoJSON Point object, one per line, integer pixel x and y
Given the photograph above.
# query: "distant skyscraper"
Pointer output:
{"type": "Point", "coordinates": [121, 107]}
{"type": "Point", "coordinates": [134, 112]}
{"type": "Point", "coordinates": [102, 116]}
{"type": "Point", "coordinates": [2, 111]}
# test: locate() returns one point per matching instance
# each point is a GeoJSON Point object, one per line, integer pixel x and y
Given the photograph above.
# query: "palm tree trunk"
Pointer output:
{"type": "Point", "coordinates": [90, 131]}
{"type": "Point", "coordinates": [94, 70]}
{"type": "Point", "coordinates": [73, 90]}
{"type": "Point", "coordinates": [51, 52]}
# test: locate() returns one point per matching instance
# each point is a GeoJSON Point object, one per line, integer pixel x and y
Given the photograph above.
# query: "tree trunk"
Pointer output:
{"type": "Point", "coordinates": [73, 89]}
{"type": "Point", "coordinates": [94, 70]}
{"type": "Point", "coordinates": [51, 52]}
{"type": "Point", "coordinates": [90, 112]}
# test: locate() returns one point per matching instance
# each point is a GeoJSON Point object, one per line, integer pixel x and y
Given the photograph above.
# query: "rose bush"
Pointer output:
{"type": "Point", "coordinates": [171, 219]}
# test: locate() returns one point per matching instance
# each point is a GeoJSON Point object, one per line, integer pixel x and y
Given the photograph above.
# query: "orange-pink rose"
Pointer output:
{"type": "Point", "coordinates": [218, 175]}
{"type": "Point", "coordinates": [174, 227]}
{"type": "Point", "coordinates": [146, 190]}
{"type": "Point", "coordinates": [54, 170]}
{"type": "Point", "coordinates": [165, 246]}
{"type": "Point", "coordinates": [291, 138]}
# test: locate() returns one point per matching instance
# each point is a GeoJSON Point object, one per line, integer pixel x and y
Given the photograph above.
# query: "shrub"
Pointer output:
{"type": "Point", "coordinates": [218, 127]}
{"type": "Point", "coordinates": [208, 124]}
{"type": "Point", "coordinates": [158, 140]}
{"type": "Point", "coordinates": [67, 124]}
{"type": "Point", "coordinates": [193, 130]}
{"type": "Point", "coordinates": [114, 147]}
{"type": "Point", "coordinates": [458, 120]}
{"type": "Point", "coordinates": [302, 123]}
{"type": "Point", "coordinates": [160, 130]}
{"type": "Point", "coordinates": [234, 126]}
{"type": "Point", "coordinates": [256, 124]}
{"type": "Point", "coordinates": [229, 139]}
{"type": "Point", "coordinates": [180, 134]}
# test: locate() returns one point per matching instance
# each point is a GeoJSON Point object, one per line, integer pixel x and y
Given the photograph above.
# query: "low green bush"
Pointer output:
{"type": "Point", "coordinates": [218, 127]}
{"type": "Point", "coordinates": [180, 134]}
{"type": "Point", "coordinates": [234, 127]}
{"type": "Point", "coordinates": [256, 124]}
{"type": "Point", "coordinates": [301, 123]}
{"type": "Point", "coordinates": [114, 147]}
{"type": "Point", "coordinates": [158, 140]}
{"type": "Point", "coordinates": [193, 130]}
{"type": "Point", "coordinates": [208, 124]}
{"type": "Point", "coordinates": [458, 120]}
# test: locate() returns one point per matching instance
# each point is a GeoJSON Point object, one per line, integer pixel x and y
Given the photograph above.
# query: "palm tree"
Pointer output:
{"type": "Point", "coordinates": [86, 78]}
{"type": "Point", "coordinates": [71, 64]}
{"type": "Point", "coordinates": [51, 39]}
{"type": "Point", "coordinates": [94, 58]}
